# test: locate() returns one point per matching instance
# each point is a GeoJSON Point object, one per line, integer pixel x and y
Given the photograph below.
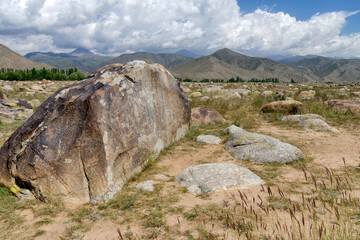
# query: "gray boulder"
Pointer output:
{"type": "Point", "coordinates": [210, 177]}
{"type": "Point", "coordinates": [259, 148]}
{"type": "Point", "coordinates": [310, 122]}
{"type": "Point", "coordinates": [209, 139]}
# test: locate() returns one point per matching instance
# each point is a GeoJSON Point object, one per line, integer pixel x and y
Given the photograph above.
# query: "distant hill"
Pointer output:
{"type": "Point", "coordinates": [81, 58]}
{"type": "Point", "coordinates": [225, 64]}
{"type": "Point", "coordinates": [186, 53]}
{"type": "Point", "coordinates": [11, 59]}
{"type": "Point", "coordinates": [168, 60]}
{"type": "Point", "coordinates": [331, 70]}
{"type": "Point", "coordinates": [296, 58]}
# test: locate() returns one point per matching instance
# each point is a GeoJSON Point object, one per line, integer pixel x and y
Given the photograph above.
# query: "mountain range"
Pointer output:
{"type": "Point", "coordinates": [223, 64]}
{"type": "Point", "coordinates": [10, 59]}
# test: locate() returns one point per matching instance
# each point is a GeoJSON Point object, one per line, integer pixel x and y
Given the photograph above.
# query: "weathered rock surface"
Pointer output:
{"type": "Point", "coordinates": [85, 141]}
{"type": "Point", "coordinates": [352, 106]}
{"type": "Point", "coordinates": [247, 146]}
{"type": "Point", "coordinates": [14, 109]}
{"type": "Point", "coordinates": [203, 116]}
{"type": "Point", "coordinates": [209, 139]}
{"type": "Point", "coordinates": [310, 122]}
{"type": "Point", "coordinates": [205, 178]}
{"type": "Point", "coordinates": [286, 107]}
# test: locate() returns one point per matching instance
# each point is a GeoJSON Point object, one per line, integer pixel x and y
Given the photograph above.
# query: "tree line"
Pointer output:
{"type": "Point", "coordinates": [237, 79]}
{"type": "Point", "coordinates": [38, 74]}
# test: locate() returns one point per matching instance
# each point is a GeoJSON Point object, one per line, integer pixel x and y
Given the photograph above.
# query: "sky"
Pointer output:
{"type": "Point", "coordinates": [265, 28]}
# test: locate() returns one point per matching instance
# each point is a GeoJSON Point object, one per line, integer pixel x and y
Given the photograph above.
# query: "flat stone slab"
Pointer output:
{"type": "Point", "coordinates": [205, 178]}
{"type": "Point", "coordinates": [258, 148]}
{"type": "Point", "coordinates": [209, 139]}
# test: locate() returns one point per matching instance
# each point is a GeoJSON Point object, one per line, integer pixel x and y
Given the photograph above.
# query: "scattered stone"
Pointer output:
{"type": "Point", "coordinates": [14, 109]}
{"type": "Point", "coordinates": [7, 88]}
{"type": "Point", "coordinates": [307, 95]}
{"type": "Point", "coordinates": [234, 130]}
{"type": "Point", "coordinates": [203, 116]}
{"type": "Point", "coordinates": [286, 107]}
{"type": "Point", "coordinates": [352, 106]}
{"type": "Point", "coordinates": [355, 94]}
{"type": "Point", "coordinates": [317, 125]}
{"type": "Point", "coordinates": [2, 96]}
{"type": "Point", "coordinates": [195, 94]}
{"type": "Point", "coordinates": [205, 178]}
{"type": "Point", "coordinates": [91, 136]}
{"type": "Point", "coordinates": [119, 212]}
{"type": "Point", "coordinates": [301, 117]}
{"type": "Point", "coordinates": [185, 89]}
{"type": "Point", "coordinates": [161, 177]}
{"type": "Point", "coordinates": [36, 87]}
{"type": "Point", "coordinates": [96, 217]}
{"type": "Point", "coordinates": [247, 146]}
{"type": "Point", "coordinates": [267, 93]}
{"type": "Point", "coordinates": [212, 88]}
{"type": "Point", "coordinates": [243, 92]}
{"type": "Point", "coordinates": [146, 186]}
{"type": "Point", "coordinates": [310, 122]}
{"type": "Point", "coordinates": [35, 103]}
{"type": "Point", "coordinates": [209, 139]}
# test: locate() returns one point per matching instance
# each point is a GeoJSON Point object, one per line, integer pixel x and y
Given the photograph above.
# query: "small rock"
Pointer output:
{"type": "Point", "coordinates": [267, 93]}
{"type": "Point", "coordinates": [287, 107]}
{"type": "Point", "coordinates": [7, 88]}
{"type": "Point", "coordinates": [146, 186]}
{"type": "Point", "coordinates": [119, 212]}
{"type": "Point", "coordinates": [35, 102]}
{"type": "Point", "coordinates": [317, 125]}
{"type": "Point", "coordinates": [205, 178]}
{"type": "Point", "coordinates": [202, 116]}
{"type": "Point", "coordinates": [195, 94]}
{"type": "Point", "coordinates": [96, 217]}
{"type": "Point", "coordinates": [212, 88]}
{"type": "Point", "coordinates": [209, 139]}
{"type": "Point", "coordinates": [161, 177]}
{"type": "Point", "coordinates": [234, 130]}
{"type": "Point", "coordinates": [307, 95]}
{"type": "Point", "coordinates": [2, 96]}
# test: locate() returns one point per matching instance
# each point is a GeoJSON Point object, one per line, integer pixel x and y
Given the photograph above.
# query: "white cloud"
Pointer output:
{"type": "Point", "coordinates": [112, 26]}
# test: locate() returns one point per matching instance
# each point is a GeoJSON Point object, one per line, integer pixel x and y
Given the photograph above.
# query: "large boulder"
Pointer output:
{"type": "Point", "coordinates": [286, 107]}
{"type": "Point", "coordinates": [352, 106]}
{"type": "Point", "coordinates": [258, 148]}
{"type": "Point", "coordinates": [84, 142]}
{"type": "Point", "coordinates": [205, 178]}
{"type": "Point", "coordinates": [203, 116]}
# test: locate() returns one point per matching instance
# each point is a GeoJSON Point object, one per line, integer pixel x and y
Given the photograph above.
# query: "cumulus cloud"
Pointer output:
{"type": "Point", "coordinates": [203, 26]}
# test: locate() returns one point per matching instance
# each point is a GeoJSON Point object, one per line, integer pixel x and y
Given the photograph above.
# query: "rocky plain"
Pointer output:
{"type": "Point", "coordinates": [131, 153]}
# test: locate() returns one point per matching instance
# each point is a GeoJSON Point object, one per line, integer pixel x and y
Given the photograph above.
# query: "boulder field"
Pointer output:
{"type": "Point", "coordinates": [84, 142]}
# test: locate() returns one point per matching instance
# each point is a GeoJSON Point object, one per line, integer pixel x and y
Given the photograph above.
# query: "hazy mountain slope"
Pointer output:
{"type": "Point", "coordinates": [296, 58]}
{"type": "Point", "coordinates": [168, 60]}
{"type": "Point", "coordinates": [331, 70]}
{"type": "Point", "coordinates": [80, 58]}
{"type": "Point", "coordinates": [226, 63]}
{"type": "Point", "coordinates": [10, 59]}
